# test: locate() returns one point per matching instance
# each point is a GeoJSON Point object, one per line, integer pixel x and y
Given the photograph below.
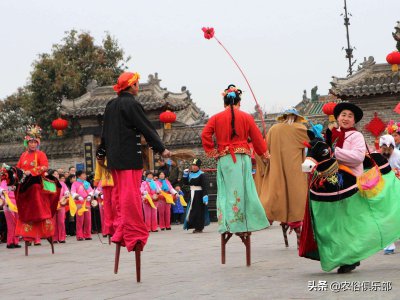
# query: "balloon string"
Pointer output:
{"type": "Point", "coordinates": [248, 84]}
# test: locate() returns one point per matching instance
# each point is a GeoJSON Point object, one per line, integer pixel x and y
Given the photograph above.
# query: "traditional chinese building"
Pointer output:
{"type": "Point", "coordinates": [86, 113]}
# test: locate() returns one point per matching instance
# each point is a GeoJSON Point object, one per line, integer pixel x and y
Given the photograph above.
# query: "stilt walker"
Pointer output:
{"type": "Point", "coordinates": [124, 123]}
{"type": "Point", "coordinates": [239, 209]}
{"type": "Point", "coordinates": [36, 195]}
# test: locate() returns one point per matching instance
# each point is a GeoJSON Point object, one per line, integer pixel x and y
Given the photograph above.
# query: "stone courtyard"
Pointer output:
{"type": "Point", "coordinates": [177, 264]}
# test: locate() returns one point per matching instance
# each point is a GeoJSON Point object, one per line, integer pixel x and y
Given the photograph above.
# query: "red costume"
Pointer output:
{"type": "Point", "coordinates": [36, 203]}
{"type": "Point", "coordinates": [220, 126]}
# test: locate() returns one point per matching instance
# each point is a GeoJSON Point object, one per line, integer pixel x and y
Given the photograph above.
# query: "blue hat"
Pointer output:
{"type": "Point", "coordinates": [291, 111]}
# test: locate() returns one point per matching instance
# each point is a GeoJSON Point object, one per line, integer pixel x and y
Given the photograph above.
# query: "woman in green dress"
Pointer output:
{"type": "Point", "coordinates": [239, 209]}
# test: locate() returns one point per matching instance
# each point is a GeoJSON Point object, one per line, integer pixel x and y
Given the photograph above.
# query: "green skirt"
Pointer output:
{"type": "Point", "coordinates": [238, 207]}
{"type": "Point", "coordinates": [350, 230]}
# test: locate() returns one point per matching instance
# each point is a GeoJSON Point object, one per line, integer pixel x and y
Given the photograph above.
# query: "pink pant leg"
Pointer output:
{"type": "Point", "coordinates": [153, 217]}
{"type": "Point", "coordinates": [132, 228]}
{"type": "Point", "coordinates": [87, 224]}
{"type": "Point", "coordinates": [59, 225]}
{"type": "Point", "coordinates": [79, 226]}
{"type": "Point", "coordinates": [168, 215]}
{"type": "Point", "coordinates": [161, 213]}
{"type": "Point", "coordinates": [11, 220]}
{"type": "Point", "coordinates": [147, 215]}
{"type": "Point", "coordinates": [108, 210]}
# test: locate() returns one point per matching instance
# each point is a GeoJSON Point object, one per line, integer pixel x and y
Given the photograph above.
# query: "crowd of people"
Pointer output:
{"type": "Point", "coordinates": [133, 203]}
{"type": "Point", "coordinates": [164, 185]}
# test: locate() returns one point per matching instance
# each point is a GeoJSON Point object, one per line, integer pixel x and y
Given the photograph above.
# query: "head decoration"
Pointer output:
{"type": "Point", "coordinates": [126, 80]}
{"type": "Point", "coordinates": [392, 127]}
{"type": "Point", "coordinates": [358, 113]}
{"type": "Point", "coordinates": [387, 140]}
{"type": "Point", "coordinates": [232, 96]}
{"type": "Point", "coordinates": [196, 162]}
{"type": "Point", "coordinates": [231, 91]}
{"type": "Point", "coordinates": [33, 133]}
{"type": "Point", "coordinates": [288, 112]}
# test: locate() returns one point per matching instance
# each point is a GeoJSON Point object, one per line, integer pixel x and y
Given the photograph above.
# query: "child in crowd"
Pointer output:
{"type": "Point", "coordinates": [178, 210]}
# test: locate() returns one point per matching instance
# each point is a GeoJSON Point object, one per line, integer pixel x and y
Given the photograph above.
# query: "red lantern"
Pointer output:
{"type": "Point", "coordinates": [328, 109]}
{"type": "Point", "coordinates": [167, 117]}
{"type": "Point", "coordinates": [59, 125]}
{"type": "Point", "coordinates": [393, 59]}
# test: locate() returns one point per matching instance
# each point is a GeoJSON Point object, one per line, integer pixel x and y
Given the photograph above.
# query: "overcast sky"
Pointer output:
{"type": "Point", "coordinates": [284, 47]}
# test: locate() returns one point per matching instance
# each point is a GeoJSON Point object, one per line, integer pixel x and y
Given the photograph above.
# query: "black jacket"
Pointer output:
{"type": "Point", "coordinates": [124, 122]}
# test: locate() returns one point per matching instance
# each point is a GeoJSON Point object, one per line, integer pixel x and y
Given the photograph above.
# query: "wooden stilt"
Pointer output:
{"type": "Point", "coordinates": [245, 237]}
{"type": "Point", "coordinates": [285, 228]}
{"type": "Point", "coordinates": [26, 248]}
{"type": "Point", "coordinates": [138, 248]}
{"type": "Point", "coordinates": [117, 252]}
{"type": "Point", "coordinates": [109, 239]}
{"type": "Point", "coordinates": [50, 240]}
{"type": "Point", "coordinates": [224, 240]}
{"type": "Point", "coordinates": [298, 235]}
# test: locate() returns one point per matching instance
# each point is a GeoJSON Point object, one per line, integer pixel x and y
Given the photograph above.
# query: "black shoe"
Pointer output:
{"type": "Point", "coordinates": [37, 244]}
{"type": "Point", "coordinates": [62, 242]}
{"type": "Point", "coordinates": [17, 246]}
{"type": "Point", "coordinates": [88, 239]}
{"type": "Point", "coordinates": [154, 231]}
{"type": "Point", "coordinates": [168, 228]}
{"type": "Point", "coordinates": [348, 268]}
{"type": "Point", "coordinates": [11, 246]}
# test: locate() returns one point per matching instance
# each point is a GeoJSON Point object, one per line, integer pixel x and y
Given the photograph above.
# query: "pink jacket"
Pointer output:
{"type": "Point", "coordinates": [353, 152]}
{"type": "Point", "coordinates": [145, 188]}
{"type": "Point", "coordinates": [77, 189]}
{"type": "Point", "coordinates": [3, 186]}
{"type": "Point", "coordinates": [64, 189]}
{"type": "Point", "coordinates": [171, 190]}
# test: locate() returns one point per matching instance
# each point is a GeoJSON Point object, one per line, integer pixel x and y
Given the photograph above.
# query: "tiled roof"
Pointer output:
{"type": "Point", "coordinates": [183, 136]}
{"type": "Point", "coordinates": [371, 79]}
{"type": "Point", "coordinates": [151, 96]}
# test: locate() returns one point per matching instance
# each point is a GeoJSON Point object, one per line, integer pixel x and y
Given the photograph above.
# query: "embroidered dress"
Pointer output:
{"type": "Point", "coordinates": [238, 206]}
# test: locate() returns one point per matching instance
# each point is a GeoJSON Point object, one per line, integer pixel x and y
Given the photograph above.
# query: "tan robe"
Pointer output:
{"type": "Point", "coordinates": [281, 184]}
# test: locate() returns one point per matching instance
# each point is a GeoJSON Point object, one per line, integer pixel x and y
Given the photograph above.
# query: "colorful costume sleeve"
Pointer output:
{"type": "Point", "coordinates": [207, 138]}
{"type": "Point", "coordinates": [355, 155]}
{"type": "Point", "coordinates": [260, 147]}
{"type": "Point", "coordinates": [171, 189]}
{"type": "Point", "coordinates": [97, 173]}
{"type": "Point", "coordinates": [42, 164]}
{"type": "Point", "coordinates": [143, 188]}
{"type": "Point", "coordinates": [204, 187]}
{"type": "Point", "coordinates": [74, 189]}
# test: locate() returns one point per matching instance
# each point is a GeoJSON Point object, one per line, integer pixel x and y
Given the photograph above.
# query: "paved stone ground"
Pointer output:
{"type": "Point", "coordinates": [180, 265]}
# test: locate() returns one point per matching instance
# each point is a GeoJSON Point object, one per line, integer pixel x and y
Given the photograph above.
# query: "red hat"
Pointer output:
{"type": "Point", "coordinates": [126, 80]}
